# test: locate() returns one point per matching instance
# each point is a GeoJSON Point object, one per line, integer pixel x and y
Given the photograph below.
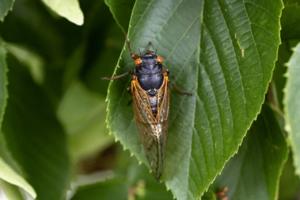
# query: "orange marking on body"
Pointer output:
{"type": "Point", "coordinates": [138, 61]}
{"type": "Point", "coordinates": [160, 59]}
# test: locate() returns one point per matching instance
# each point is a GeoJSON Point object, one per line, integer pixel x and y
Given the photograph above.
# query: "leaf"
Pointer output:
{"type": "Point", "coordinates": [31, 60]}
{"type": "Point", "coordinates": [9, 175]}
{"type": "Point", "coordinates": [110, 189]}
{"type": "Point", "coordinates": [3, 81]}
{"type": "Point", "coordinates": [180, 53]}
{"type": "Point", "coordinates": [121, 10]}
{"type": "Point", "coordinates": [10, 191]}
{"type": "Point", "coordinates": [239, 43]}
{"type": "Point", "coordinates": [34, 136]}
{"type": "Point", "coordinates": [254, 172]}
{"type": "Point", "coordinates": [47, 41]}
{"type": "Point", "coordinates": [105, 60]}
{"type": "Point", "coordinates": [5, 6]}
{"type": "Point", "coordinates": [292, 106]}
{"type": "Point", "coordinates": [73, 66]}
{"type": "Point", "coordinates": [290, 20]}
{"type": "Point", "coordinates": [289, 182]}
{"type": "Point", "coordinates": [6, 172]}
{"type": "Point", "coordinates": [279, 80]}
{"type": "Point", "coordinates": [82, 114]}
{"type": "Point", "coordinates": [68, 9]}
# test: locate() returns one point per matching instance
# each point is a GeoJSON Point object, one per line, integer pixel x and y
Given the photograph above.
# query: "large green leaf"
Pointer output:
{"type": "Point", "coordinates": [33, 135]}
{"type": "Point", "coordinates": [292, 105]}
{"type": "Point", "coordinates": [254, 172]}
{"type": "Point", "coordinates": [238, 47]}
{"type": "Point", "coordinates": [5, 6]}
{"type": "Point", "coordinates": [69, 9]}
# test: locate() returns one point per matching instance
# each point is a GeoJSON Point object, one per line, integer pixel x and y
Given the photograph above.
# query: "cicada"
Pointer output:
{"type": "Point", "coordinates": [151, 97]}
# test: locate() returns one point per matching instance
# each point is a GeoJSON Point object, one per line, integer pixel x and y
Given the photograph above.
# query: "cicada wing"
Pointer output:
{"type": "Point", "coordinates": [163, 97]}
{"type": "Point", "coordinates": [152, 130]}
{"type": "Point", "coordinates": [154, 146]}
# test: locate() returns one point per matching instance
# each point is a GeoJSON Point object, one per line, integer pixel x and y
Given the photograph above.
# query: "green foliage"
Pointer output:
{"type": "Point", "coordinates": [67, 8]}
{"type": "Point", "coordinates": [290, 19]}
{"type": "Point", "coordinates": [289, 182]}
{"type": "Point", "coordinates": [5, 6]}
{"type": "Point", "coordinates": [11, 191]}
{"type": "Point", "coordinates": [9, 175]}
{"type": "Point", "coordinates": [227, 139]}
{"type": "Point", "coordinates": [3, 81]}
{"type": "Point", "coordinates": [291, 102]}
{"type": "Point", "coordinates": [34, 136]}
{"type": "Point", "coordinates": [121, 10]}
{"type": "Point", "coordinates": [82, 114]}
{"type": "Point", "coordinates": [180, 52]}
{"type": "Point", "coordinates": [254, 172]}
{"type": "Point", "coordinates": [229, 82]}
{"type": "Point", "coordinates": [133, 182]}
{"type": "Point", "coordinates": [237, 58]}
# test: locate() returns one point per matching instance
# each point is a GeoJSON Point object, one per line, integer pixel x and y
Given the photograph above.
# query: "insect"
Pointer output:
{"type": "Point", "coordinates": [150, 90]}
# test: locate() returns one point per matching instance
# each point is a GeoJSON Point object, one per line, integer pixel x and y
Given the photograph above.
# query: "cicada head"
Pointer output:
{"type": "Point", "coordinates": [150, 58]}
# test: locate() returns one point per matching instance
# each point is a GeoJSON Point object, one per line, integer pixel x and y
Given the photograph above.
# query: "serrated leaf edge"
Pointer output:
{"type": "Point", "coordinates": [287, 125]}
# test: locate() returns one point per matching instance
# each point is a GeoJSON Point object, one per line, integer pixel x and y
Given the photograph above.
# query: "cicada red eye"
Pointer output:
{"type": "Point", "coordinates": [138, 61]}
{"type": "Point", "coordinates": [159, 59]}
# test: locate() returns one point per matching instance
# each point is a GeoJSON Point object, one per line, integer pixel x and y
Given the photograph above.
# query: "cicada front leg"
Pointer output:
{"type": "Point", "coordinates": [116, 76]}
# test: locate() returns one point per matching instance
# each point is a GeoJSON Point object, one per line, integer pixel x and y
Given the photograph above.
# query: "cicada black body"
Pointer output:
{"type": "Point", "coordinates": [150, 93]}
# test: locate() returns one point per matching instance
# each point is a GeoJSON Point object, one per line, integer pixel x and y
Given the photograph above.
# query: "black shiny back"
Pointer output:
{"type": "Point", "coordinates": [149, 73]}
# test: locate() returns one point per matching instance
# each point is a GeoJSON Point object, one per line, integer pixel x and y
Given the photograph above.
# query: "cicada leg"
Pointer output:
{"type": "Point", "coordinates": [116, 76]}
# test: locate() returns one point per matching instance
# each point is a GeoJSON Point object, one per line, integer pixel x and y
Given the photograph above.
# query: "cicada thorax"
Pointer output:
{"type": "Point", "coordinates": [150, 92]}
